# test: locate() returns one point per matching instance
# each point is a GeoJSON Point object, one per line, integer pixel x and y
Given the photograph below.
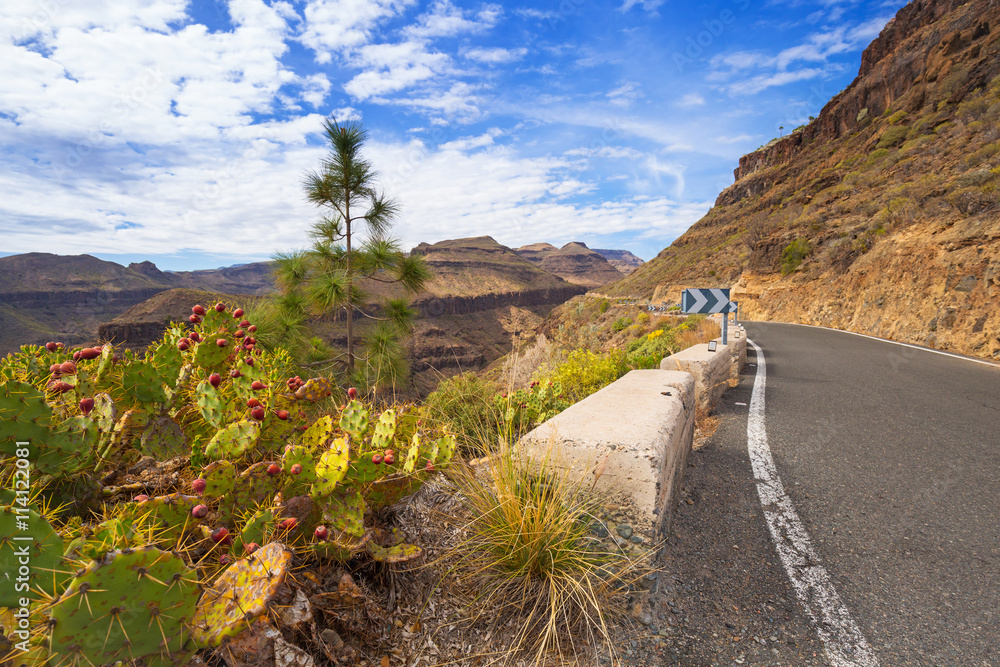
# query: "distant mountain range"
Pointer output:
{"type": "Point", "coordinates": [81, 299]}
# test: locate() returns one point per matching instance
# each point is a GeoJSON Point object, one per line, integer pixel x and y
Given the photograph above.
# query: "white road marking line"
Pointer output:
{"type": "Point", "coordinates": [738, 403]}
{"type": "Point", "coordinates": [896, 342]}
{"type": "Point", "coordinates": [842, 639]}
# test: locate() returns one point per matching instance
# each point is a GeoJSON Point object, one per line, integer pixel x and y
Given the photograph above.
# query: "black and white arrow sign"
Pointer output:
{"type": "Point", "coordinates": [705, 301]}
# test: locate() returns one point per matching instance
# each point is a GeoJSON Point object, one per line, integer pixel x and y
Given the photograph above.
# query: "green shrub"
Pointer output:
{"type": "Point", "coordinates": [466, 402]}
{"type": "Point", "coordinates": [648, 351]}
{"type": "Point", "coordinates": [897, 118]}
{"type": "Point", "coordinates": [585, 372]}
{"type": "Point", "coordinates": [892, 137]}
{"type": "Point", "coordinates": [793, 254]}
{"type": "Point", "coordinates": [876, 156]}
{"type": "Point", "coordinates": [603, 308]}
{"type": "Point", "coordinates": [643, 318]}
{"type": "Point", "coordinates": [621, 324]}
{"type": "Point", "coordinates": [524, 409]}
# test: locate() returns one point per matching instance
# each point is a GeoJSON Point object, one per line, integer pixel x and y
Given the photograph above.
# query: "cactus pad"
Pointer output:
{"type": "Point", "coordinates": [44, 549]}
{"type": "Point", "coordinates": [209, 405]}
{"type": "Point", "coordinates": [24, 416]}
{"type": "Point", "coordinates": [354, 419]}
{"type": "Point", "coordinates": [385, 430]}
{"type": "Point", "coordinates": [233, 441]}
{"type": "Point", "coordinates": [240, 595]}
{"type": "Point", "coordinates": [314, 389]}
{"type": "Point", "coordinates": [341, 547]}
{"type": "Point", "coordinates": [331, 468]}
{"type": "Point", "coordinates": [163, 439]}
{"type": "Point", "coordinates": [321, 432]}
{"type": "Point", "coordinates": [128, 605]}
{"type": "Point", "coordinates": [397, 554]}
{"type": "Point", "coordinates": [345, 511]}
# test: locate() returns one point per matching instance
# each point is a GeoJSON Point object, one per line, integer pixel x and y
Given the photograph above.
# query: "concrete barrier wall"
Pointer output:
{"type": "Point", "coordinates": [711, 370]}
{"type": "Point", "coordinates": [633, 437]}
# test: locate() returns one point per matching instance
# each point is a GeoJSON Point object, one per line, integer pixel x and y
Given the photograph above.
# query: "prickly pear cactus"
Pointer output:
{"type": "Point", "coordinates": [395, 554]}
{"type": "Point", "coordinates": [164, 439]}
{"type": "Point", "coordinates": [209, 404]}
{"type": "Point", "coordinates": [344, 510]}
{"type": "Point", "coordinates": [25, 534]}
{"type": "Point", "coordinates": [233, 441]}
{"type": "Point", "coordinates": [257, 529]}
{"type": "Point", "coordinates": [354, 419]}
{"type": "Point", "coordinates": [172, 512]}
{"type": "Point", "coordinates": [314, 390]}
{"type": "Point", "coordinates": [240, 594]}
{"type": "Point", "coordinates": [331, 468]}
{"type": "Point", "coordinates": [385, 430]}
{"type": "Point", "coordinates": [340, 546]}
{"type": "Point", "coordinates": [24, 416]}
{"type": "Point", "coordinates": [127, 605]}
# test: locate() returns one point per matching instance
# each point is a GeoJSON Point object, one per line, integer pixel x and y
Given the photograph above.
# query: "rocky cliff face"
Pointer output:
{"type": "Point", "coordinates": [880, 216]}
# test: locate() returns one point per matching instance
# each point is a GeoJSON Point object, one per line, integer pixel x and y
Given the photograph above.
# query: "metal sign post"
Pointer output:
{"type": "Point", "coordinates": [725, 328]}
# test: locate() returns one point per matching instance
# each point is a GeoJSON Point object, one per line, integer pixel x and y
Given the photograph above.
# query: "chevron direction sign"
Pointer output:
{"type": "Point", "coordinates": [705, 301]}
{"type": "Point", "coordinates": [732, 306]}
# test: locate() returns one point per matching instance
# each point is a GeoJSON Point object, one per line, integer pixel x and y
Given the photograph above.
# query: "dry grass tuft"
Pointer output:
{"type": "Point", "coordinates": [532, 562]}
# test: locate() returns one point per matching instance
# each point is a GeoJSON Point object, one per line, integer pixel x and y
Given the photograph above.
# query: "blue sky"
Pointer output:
{"type": "Point", "coordinates": [179, 131]}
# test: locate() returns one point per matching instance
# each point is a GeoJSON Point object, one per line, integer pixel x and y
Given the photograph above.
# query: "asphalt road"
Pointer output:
{"type": "Point", "coordinates": [891, 458]}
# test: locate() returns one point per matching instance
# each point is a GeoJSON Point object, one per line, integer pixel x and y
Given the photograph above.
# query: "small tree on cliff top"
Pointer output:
{"type": "Point", "coordinates": [351, 244]}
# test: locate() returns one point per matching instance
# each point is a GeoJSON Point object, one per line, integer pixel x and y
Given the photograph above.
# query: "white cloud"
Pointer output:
{"type": "Point", "coordinates": [389, 68]}
{"type": "Point", "coordinates": [624, 95]}
{"type": "Point", "coordinates": [691, 100]}
{"type": "Point", "coordinates": [649, 6]}
{"type": "Point", "coordinates": [337, 26]}
{"type": "Point", "coordinates": [495, 56]}
{"type": "Point", "coordinates": [446, 20]}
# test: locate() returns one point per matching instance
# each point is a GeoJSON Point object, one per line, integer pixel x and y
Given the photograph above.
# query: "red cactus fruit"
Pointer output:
{"type": "Point", "coordinates": [248, 361]}
{"type": "Point", "coordinates": [389, 459]}
{"type": "Point", "coordinates": [198, 485]}
{"type": "Point", "coordinates": [251, 547]}
{"type": "Point", "coordinates": [195, 336]}
{"type": "Point", "coordinates": [257, 385]}
{"type": "Point", "coordinates": [225, 559]}
{"type": "Point", "coordinates": [238, 313]}
{"type": "Point", "coordinates": [252, 328]}
{"type": "Point", "coordinates": [429, 467]}
{"type": "Point", "coordinates": [62, 387]}
{"type": "Point", "coordinates": [352, 393]}
{"type": "Point", "coordinates": [54, 368]}
{"type": "Point", "coordinates": [215, 379]}
{"type": "Point", "coordinates": [183, 344]}
{"type": "Point", "coordinates": [289, 523]}
{"type": "Point", "coordinates": [76, 356]}
{"type": "Point", "coordinates": [273, 469]}
{"type": "Point", "coordinates": [221, 342]}
{"type": "Point", "coordinates": [199, 511]}
{"type": "Point", "coordinates": [221, 536]}
{"type": "Point", "coordinates": [86, 405]}
{"type": "Point", "coordinates": [253, 403]}
{"type": "Point", "coordinates": [235, 374]}
{"type": "Point", "coordinates": [322, 532]}
{"type": "Point", "coordinates": [258, 413]}
{"type": "Point", "coordinates": [90, 353]}
{"type": "Point", "coordinates": [67, 367]}
{"type": "Point", "coordinates": [194, 319]}
{"type": "Point", "coordinates": [376, 458]}
{"type": "Point", "coordinates": [239, 333]}
{"type": "Point", "coordinates": [244, 324]}
{"type": "Point", "coordinates": [282, 414]}
{"type": "Point", "coordinates": [51, 347]}
{"type": "Point", "coordinates": [296, 469]}
{"type": "Point", "coordinates": [141, 498]}
{"type": "Point", "coordinates": [198, 309]}
{"type": "Point", "coordinates": [220, 307]}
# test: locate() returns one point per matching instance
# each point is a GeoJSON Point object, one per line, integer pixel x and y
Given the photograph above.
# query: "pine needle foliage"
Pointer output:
{"type": "Point", "coordinates": [352, 245]}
